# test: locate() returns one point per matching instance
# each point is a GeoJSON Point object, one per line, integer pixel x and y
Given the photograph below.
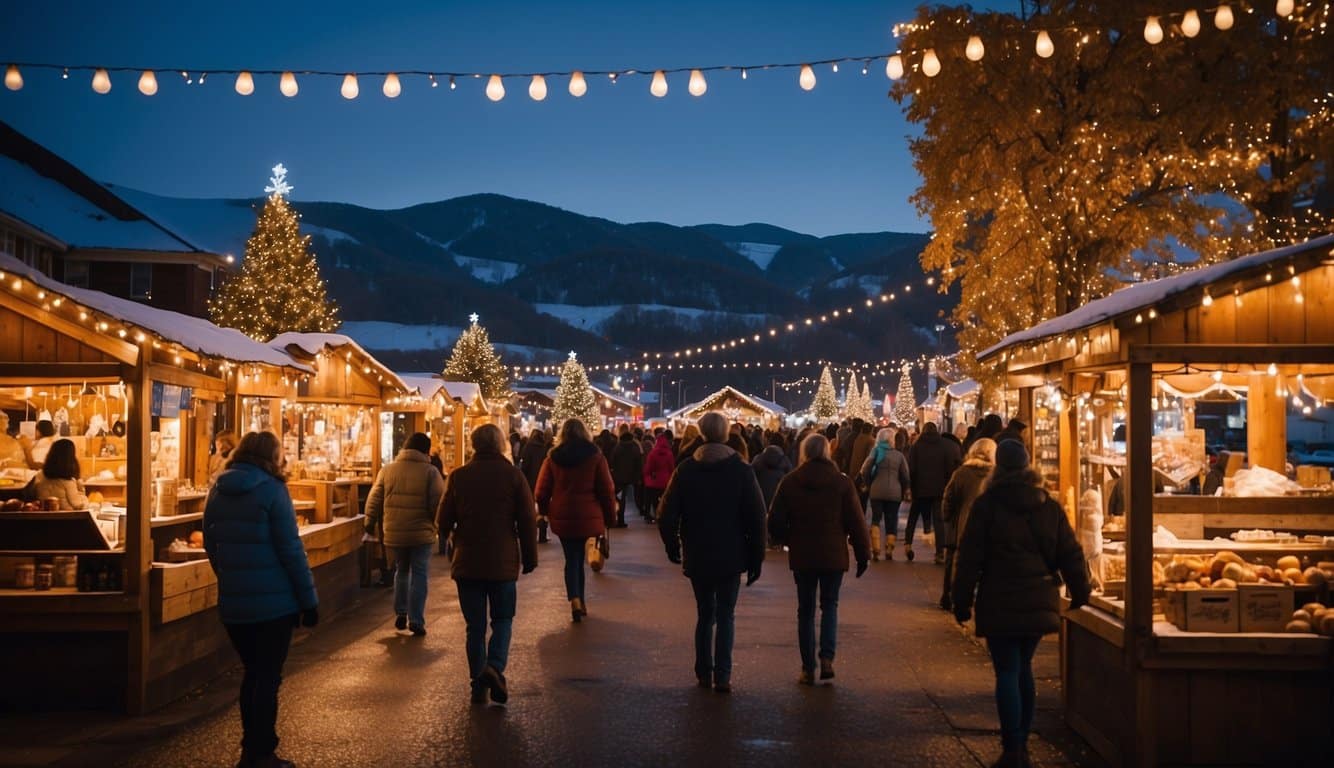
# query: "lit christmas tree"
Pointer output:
{"type": "Point", "coordinates": [475, 360]}
{"type": "Point", "coordinates": [905, 402]}
{"type": "Point", "coordinates": [868, 405]}
{"type": "Point", "coordinates": [825, 405]}
{"type": "Point", "coordinates": [851, 408]}
{"type": "Point", "coordinates": [575, 399]}
{"type": "Point", "coordinates": [279, 287]}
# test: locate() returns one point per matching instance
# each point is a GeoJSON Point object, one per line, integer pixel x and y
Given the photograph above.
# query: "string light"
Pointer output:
{"type": "Point", "coordinates": [1153, 31]}
{"type": "Point", "coordinates": [245, 84]}
{"type": "Point", "coordinates": [578, 87]}
{"type": "Point", "coordinates": [287, 84]}
{"type": "Point", "coordinates": [349, 89]}
{"type": "Point", "coordinates": [659, 85]}
{"type": "Point", "coordinates": [1284, 8]}
{"type": "Point", "coordinates": [1223, 17]}
{"type": "Point", "coordinates": [1044, 47]}
{"type": "Point", "coordinates": [975, 50]}
{"type": "Point", "coordinates": [148, 83]}
{"type": "Point", "coordinates": [1190, 24]}
{"type": "Point", "coordinates": [807, 78]}
{"type": "Point", "coordinates": [101, 81]}
{"type": "Point", "coordinates": [537, 88]}
{"type": "Point", "coordinates": [495, 89]}
{"type": "Point", "coordinates": [930, 63]}
{"type": "Point", "coordinates": [697, 85]}
{"type": "Point", "coordinates": [392, 87]}
{"type": "Point", "coordinates": [894, 67]}
{"type": "Point", "coordinates": [13, 78]}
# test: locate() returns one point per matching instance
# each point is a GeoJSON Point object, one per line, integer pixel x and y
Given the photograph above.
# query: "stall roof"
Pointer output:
{"type": "Point", "coordinates": [463, 391]}
{"type": "Point", "coordinates": [610, 395]}
{"type": "Point", "coordinates": [760, 403]}
{"type": "Point", "coordinates": [961, 389]}
{"type": "Point", "coordinates": [192, 333]}
{"type": "Point", "coordinates": [1142, 296]}
{"type": "Point", "coordinates": [312, 344]}
{"type": "Point", "coordinates": [424, 384]}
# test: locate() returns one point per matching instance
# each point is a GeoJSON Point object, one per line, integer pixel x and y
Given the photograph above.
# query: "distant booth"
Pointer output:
{"type": "Point", "coordinates": [736, 406]}
{"type": "Point", "coordinates": [1201, 569]}
{"type": "Point", "coordinates": [112, 605]}
{"type": "Point", "coordinates": [447, 411]}
{"type": "Point", "coordinates": [533, 405]}
{"type": "Point", "coordinates": [958, 403]}
{"type": "Point", "coordinates": [617, 408]}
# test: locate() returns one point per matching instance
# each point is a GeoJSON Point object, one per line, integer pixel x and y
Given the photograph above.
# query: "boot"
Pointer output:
{"type": "Point", "coordinates": [542, 530]}
{"type": "Point", "coordinates": [890, 541]}
{"type": "Point", "coordinates": [1010, 758]}
{"type": "Point", "coordinates": [875, 542]}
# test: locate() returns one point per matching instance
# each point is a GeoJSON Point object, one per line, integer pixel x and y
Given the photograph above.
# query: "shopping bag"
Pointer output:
{"type": "Point", "coordinates": [593, 553]}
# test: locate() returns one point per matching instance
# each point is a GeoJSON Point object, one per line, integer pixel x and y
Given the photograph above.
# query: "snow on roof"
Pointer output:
{"type": "Point", "coordinates": [960, 389]}
{"type": "Point", "coordinates": [1144, 295]}
{"type": "Point", "coordinates": [463, 391]}
{"type": "Point", "coordinates": [193, 333]}
{"type": "Point", "coordinates": [424, 384]}
{"type": "Point", "coordinates": [760, 403]}
{"type": "Point", "coordinates": [222, 226]}
{"type": "Point", "coordinates": [610, 395]}
{"type": "Point", "coordinates": [312, 344]}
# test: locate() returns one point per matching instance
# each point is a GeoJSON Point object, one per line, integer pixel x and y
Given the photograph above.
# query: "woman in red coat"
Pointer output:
{"type": "Point", "coordinates": [658, 468]}
{"type": "Point", "coordinates": [576, 494]}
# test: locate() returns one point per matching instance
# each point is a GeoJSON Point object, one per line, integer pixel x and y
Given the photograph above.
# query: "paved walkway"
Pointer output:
{"type": "Point", "coordinates": [617, 690]}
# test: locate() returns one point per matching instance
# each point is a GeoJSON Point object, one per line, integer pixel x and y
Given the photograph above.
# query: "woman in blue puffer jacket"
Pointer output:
{"type": "Point", "coordinates": [265, 587]}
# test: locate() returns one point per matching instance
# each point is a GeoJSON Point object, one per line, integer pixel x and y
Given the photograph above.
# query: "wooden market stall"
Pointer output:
{"type": "Point", "coordinates": [1183, 658]}
{"type": "Point", "coordinates": [616, 408]}
{"type": "Point", "coordinates": [736, 406]}
{"type": "Point", "coordinates": [447, 411]}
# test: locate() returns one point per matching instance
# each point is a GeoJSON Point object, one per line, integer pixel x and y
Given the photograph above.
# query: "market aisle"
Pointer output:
{"type": "Point", "coordinates": [619, 688]}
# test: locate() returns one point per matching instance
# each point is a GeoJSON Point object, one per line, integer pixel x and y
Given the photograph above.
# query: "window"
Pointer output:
{"type": "Point", "coordinates": [8, 243]}
{"type": "Point", "coordinates": [76, 273]}
{"type": "Point", "coordinates": [141, 281]}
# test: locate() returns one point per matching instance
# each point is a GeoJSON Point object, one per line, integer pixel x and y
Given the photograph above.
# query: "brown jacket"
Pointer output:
{"type": "Point", "coordinates": [488, 508]}
{"type": "Point", "coordinates": [816, 513]}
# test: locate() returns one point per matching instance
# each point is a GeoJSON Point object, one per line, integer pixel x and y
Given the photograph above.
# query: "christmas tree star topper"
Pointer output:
{"type": "Point", "coordinates": [573, 355]}
{"type": "Point", "coordinates": [278, 182]}
{"type": "Point", "coordinates": [474, 318]}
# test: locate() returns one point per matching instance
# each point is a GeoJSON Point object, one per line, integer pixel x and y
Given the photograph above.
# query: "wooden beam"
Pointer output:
{"type": "Point", "coordinates": [181, 377]}
{"type": "Point", "coordinates": [120, 349]}
{"type": "Point", "coordinates": [60, 373]}
{"type": "Point", "coordinates": [1237, 354]}
{"type": "Point", "coordinates": [138, 538]}
{"type": "Point", "coordinates": [1139, 560]}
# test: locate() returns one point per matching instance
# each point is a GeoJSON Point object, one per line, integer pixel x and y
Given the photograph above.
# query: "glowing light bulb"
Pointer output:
{"type": "Point", "coordinates": [245, 84]}
{"type": "Point", "coordinates": [807, 78]}
{"type": "Point", "coordinates": [577, 85]}
{"type": "Point", "coordinates": [101, 81]}
{"type": "Point", "coordinates": [1153, 31]}
{"type": "Point", "coordinates": [392, 87]}
{"type": "Point", "coordinates": [495, 88]}
{"type": "Point", "coordinates": [975, 50]}
{"type": "Point", "coordinates": [1218, 376]}
{"type": "Point", "coordinates": [894, 67]}
{"type": "Point", "coordinates": [13, 78]}
{"type": "Point", "coordinates": [148, 83]}
{"type": "Point", "coordinates": [537, 88]}
{"type": "Point", "coordinates": [349, 89]}
{"type": "Point", "coordinates": [1223, 17]}
{"type": "Point", "coordinates": [698, 85]}
{"type": "Point", "coordinates": [930, 63]}
{"type": "Point", "coordinates": [1272, 370]}
{"type": "Point", "coordinates": [287, 84]}
{"type": "Point", "coordinates": [659, 85]}
{"type": "Point", "coordinates": [1283, 8]}
{"type": "Point", "coordinates": [1190, 24]}
{"type": "Point", "coordinates": [1208, 300]}
{"type": "Point", "coordinates": [1044, 46]}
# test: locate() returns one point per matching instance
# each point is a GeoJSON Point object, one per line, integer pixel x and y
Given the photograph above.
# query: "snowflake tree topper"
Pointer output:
{"type": "Point", "coordinates": [278, 182]}
{"type": "Point", "coordinates": [474, 318]}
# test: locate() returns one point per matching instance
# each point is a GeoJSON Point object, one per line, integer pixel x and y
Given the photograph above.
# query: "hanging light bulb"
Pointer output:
{"type": "Point", "coordinates": [287, 84]}
{"type": "Point", "coordinates": [975, 50]}
{"type": "Point", "coordinates": [245, 84]}
{"type": "Point", "coordinates": [101, 81]}
{"type": "Point", "coordinates": [1153, 31]}
{"type": "Point", "coordinates": [495, 89]}
{"type": "Point", "coordinates": [349, 89]}
{"type": "Point", "coordinates": [392, 87]}
{"type": "Point", "coordinates": [930, 63]}
{"type": "Point", "coordinates": [1218, 376]}
{"type": "Point", "coordinates": [1190, 24]}
{"type": "Point", "coordinates": [1208, 300]}
{"type": "Point", "coordinates": [148, 83]}
{"type": "Point", "coordinates": [1223, 17]}
{"type": "Point", "coordinates": [743, 74]}
{"type": "Point", "coordinates": [807, 78]}
{"type": "Point", "coordinates": [894, 67]}
{"type": "Point", "coordinates": [537, 88]}
{"type": "Point", "coordinates": [1283, 8]}
{"type": "Point", "coordinates": [577, 85]}
{"type": "Point", "coordinates": [13, 79]}
{"type": "Point", "coordinates": [698, 85]}
{"type": "Point", "coordinates": [1044, 46]}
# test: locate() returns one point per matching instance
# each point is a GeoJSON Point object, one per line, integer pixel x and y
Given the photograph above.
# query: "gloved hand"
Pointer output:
{"type": "Point", "coordinates": [310, 617]}
{"type": "Point", "coordinates": [529, 568]}
{"type": "Point", "coordinates": [752, 576]}
{"type": "Point", "coordinates": [861, 567]}
{"type": "Point", "coordinates": [962, 615]}
{"type": "Point", "coordinates": [674, 557]}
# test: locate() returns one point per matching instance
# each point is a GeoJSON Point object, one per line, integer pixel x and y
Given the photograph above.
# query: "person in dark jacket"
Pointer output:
{"type": "Point", "coordinates": [816, 512]}
{"type": "Point", "coordinates": [862, 445]}
{"type": "Point", "coordinates": [658, 468]}
{"type": "Point", "coordinates": [265, 587]}
{"type": "Point", "coordinates": [690, 442]}
{"type": "Point", "coordinates": [737, 442]}
{"type": "Point", "coordinates": [990, 426]}
{"type": "Point", "coordinates": [885, 474]}
{"type": "Point", "coordinates": [606, 442]}
{"type": "Point", "coordinates": [964, 486]}
{"type": "Point", "coordinates": [1015, 430]}
{"type": "Point", "coordinates": [1016, 539]}
{"type": "Point", "coordinates": [532, 455]}
{"type": "Point", "coordinates": [489, 510]}
{"type": "Point", "coordinates": [576, 494]}
{"type": "Point", "coordinates": [712, 522]}
{"type": "Point", "coordinates": [627, 470]}
{"type": "Point", "coordinates": [771, 466]}
{"type": "Point", "coordinates": [931, 461]}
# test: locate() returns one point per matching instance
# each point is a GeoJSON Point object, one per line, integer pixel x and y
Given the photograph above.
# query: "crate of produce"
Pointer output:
{"type": "Point", "coordinates": [1264, 607]}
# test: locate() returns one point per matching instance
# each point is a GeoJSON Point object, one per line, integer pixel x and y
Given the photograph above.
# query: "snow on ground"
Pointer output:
{"type": "Point", "coordinates": [332, 235]}
{"type": "Point", "coordinates": [871, 285]}
{"type": "Point", "coordinates": [489, 270]}
{"type": "Point", "coordinates": [760, 253]}
{"type": "Point", "coordinates": [593, 318]}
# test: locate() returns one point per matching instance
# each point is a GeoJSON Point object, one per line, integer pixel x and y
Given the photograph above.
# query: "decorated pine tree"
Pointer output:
{"type": "Point", "coordinates": [575, 398]}
{"type": "Point", "coordinates": [279, 287]}
{"type": "Point", "coordinates": [905, 402]}
{"type": "Point", "coordinates": [475, 360]}
{"type": "Point", "coordinates": [851, 396]}
{"type": "Point", "coordinates": [825, 405]}
{"type": "Point", "coordinates": [868, 405]}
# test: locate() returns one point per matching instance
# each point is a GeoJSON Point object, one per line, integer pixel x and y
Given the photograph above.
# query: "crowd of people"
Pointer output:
{"type": "Point", "coordinates": [721, 496]}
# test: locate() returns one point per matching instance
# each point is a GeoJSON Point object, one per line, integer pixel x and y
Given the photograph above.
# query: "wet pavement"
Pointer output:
{"type": "Point", "coordinates": [912, 689]}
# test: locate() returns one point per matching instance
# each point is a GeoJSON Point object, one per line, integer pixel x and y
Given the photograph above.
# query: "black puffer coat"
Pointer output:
{"type": "Point", "coordinates": [770, 466]}
{"type": "Point", "coordinates": [712, 515]}
{"type": "Point", "coordinates": [627, 461]}
{"type": "Point", "coordinates": [931, 462]}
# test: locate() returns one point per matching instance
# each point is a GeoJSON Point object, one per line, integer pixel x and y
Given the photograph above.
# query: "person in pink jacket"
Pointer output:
{"type": "Point", "coordinates": [658, 468]}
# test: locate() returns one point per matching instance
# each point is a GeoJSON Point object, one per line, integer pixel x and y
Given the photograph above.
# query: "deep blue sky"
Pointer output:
{"type": "Point", "coordinates": [829, 161]}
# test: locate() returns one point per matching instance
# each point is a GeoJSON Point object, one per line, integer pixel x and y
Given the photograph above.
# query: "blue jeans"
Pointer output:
{"type": "Point", "coordinates": [828, 584]}
{"type": "Point", "coordinates": [715, 606]}
{"type": "Point", "coordinates": [927, 510]}
{"type": "Point", "coordinates": [574, 566]}
{"type": "Point", "coordinates": [1015, 691]}
{"type": "Point", "coordinates": [475, 595]}
{"type": "Point", "coordinates": [411, 578]}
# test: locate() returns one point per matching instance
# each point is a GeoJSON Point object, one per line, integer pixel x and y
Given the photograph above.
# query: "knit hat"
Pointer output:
{"type": "Point", "coordinates": [1011, 454]}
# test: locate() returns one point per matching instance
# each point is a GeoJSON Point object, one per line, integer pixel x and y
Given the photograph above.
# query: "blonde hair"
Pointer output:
{"type": "Point", "coordinates": [814, 447]}
{"type": "Point", "coordinates": [982, 448]}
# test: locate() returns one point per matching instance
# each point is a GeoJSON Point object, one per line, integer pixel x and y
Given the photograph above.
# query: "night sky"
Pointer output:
{"type": "Point", "coordinates": [829, 161]}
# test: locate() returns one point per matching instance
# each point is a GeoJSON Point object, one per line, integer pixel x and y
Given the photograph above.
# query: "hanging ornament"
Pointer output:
{"type": "Point", "coordinates": [287, 84]}
{"type": "Point", "coordinates": [1044, 46]}
{"type": "Point", "coordinates": [659, 85]}
{"type": "Point", "coordinates": [245, 84]}
{"type": "Point", "coordinates": [930, 63]}
{"type": "Point", "coordinates": [807, 78]}
{"type": "Point", "coordinates": [495, 89]}
{"type": "Point", "coordinates": [975, 50]}
{"type": "Point", "coordinates": [894, 67]}
{"type": "Point", "coordinates": [697, 85]}
{"type": "Point", "coordinates": [392, 87]}
{"type": "Point", "coordinates": [577, 85]}
{"type": "Point", "coordinates": [537, 88]}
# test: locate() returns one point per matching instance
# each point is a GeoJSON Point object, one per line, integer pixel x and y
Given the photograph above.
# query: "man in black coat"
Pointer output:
{"type": "Point", "coordinates": [712, 521]}
{"type": "Point", "coordinates": [627, 471]}
{"type": "Point", "coordinates": [931, 462]}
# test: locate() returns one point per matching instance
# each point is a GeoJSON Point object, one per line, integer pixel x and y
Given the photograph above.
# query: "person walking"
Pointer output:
{"type": "Point", "coordinates": [627, 469]}
{"type": "Point", "coordinates": [530, 463]}
{"type": "Point", "coordinates": [931, 461]}
{"type": "Point", "coordinates": [690, 442]}
{"type": "Point", "coordinates": [816, 512]}
{"type": "Point", "coordinates": [658, 468]}
{"type": "Point", "coordinates": [265, 587]}
{"type": "Point", "coordinates": [712, 523]}
{"type": "Point", "coordinates": [885, 474]}
{"type": "Point", "coordinates": [576, 494]}
{"type": "Point", "coordinates": [771, 466]}
{"type": "Point", "coordinates": [489, 509]}
{"type": "Point", "coordinates": [1015, 542]}
{"type": "Point", "coordinates": [964, 486]}
{"type": "Point", "coordinates": [402, 505]}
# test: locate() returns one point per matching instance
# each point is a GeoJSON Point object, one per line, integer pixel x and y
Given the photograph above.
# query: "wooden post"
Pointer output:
{"type": "Point", "coordinates": [138, 538]}
{"type": "Point", "coordinates": [1139, 562]}
{"type": "Point", "coordinates": [1068, 451]}
{"type": "Point", "coordinates": [1266, 423]}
